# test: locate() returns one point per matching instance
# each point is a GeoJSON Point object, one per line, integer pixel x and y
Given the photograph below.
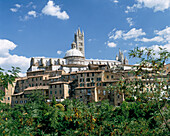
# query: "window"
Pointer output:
{"type": "Point", "coordinates": [92, 74]}
{"type": "Point", "coordinates": [104, 84]}
{"type": "Point", "coordinates": [118, 96]}
{"type": "Point", "coordinates": [50, 92]}
{"type": "Point", "coordinates": [107, 77]}
{"type": "Point", "coordinates": [98, 91]}
{"type": "Point", "coordinates": [88, 84]}
{"type": "Point", "coordinates": [60, 92]}
{"type": "Point", "coordinates": [87, 74]}
{"type": "Point", "coordinates": [21, 101]}
{"type": "Point", "coordinates": [40, 78]}
{"type": "Point", "coordinates": [32, 79]}
{"type": "Point", "coordinates": [147, 89]}
{"type": "Point", "coordinates": [93, 84]}
{"type": "Point", "coordinates": [81, 75]}
{"type": "Point", "coordinates": [112, 76]}
{"type": "Point", "coordinates": [81, 80]}
{"type": "Point", "coordinates": [20, 96]}
{"type": "Point", "coordinates": [55, 92]}
{"type": "Point", "coordinates": [99, 98]}
{"type": "Point", "coordinates": [16, 101]}
{"type": "Point", "coordinates": [104, 92]}
{"type": "Point", "coordinates": [87, 79]}
{"type": "Point", "coordinates": [92, 79]}
{"type": "Point", "coordinates": [98, 79]}
{"type": "Point", "coordinates": [25, 101]}
{"type": "Point", "coordinates": [8, 98]}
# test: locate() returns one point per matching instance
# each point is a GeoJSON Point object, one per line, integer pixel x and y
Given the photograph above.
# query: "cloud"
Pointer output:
{"type": "Point", "coordinates": [54, 10]}
{"type": "Point", "coordinates": [29, 15]}
{"type": "Point", "coordinates": [156, 48]}
{"type": "Point", "coordinates": [118, 34]}
{"type": "Point", "coordinates": [133, 33]}
{"type": "Point", "coordinates": [17, 6]}
{"type": "Point", "coordinates": [155, 39]}
{"type": "Point", "coordinates": [7, 60]}
{"type": "Point", "coordinates": [32, 13]}
{"type": "Point", "coordinates": [13, 9]}
{"type": "Point", "coordinates": [129, 20]}
{"type": "Point", "coordinates": [165, 33]}
{"type": "Point", "coordinates": [91, 40]}
{"type": "Point", "coordinates": [59, 52]}
{"type": "Point", "coordinates": [156, 5]}
{"type": "Point", "coordinates": [160, 36]}
{"type": "Point", "coordinates": [111, 44]}
{"type": "Point", "coordinates": [115, 1]}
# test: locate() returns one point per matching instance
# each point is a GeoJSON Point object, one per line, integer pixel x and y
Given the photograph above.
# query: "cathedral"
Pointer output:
{"type": "Point", "coordinates": [74, 59]}
{"type": "Point", "coordinates": [71, 77]}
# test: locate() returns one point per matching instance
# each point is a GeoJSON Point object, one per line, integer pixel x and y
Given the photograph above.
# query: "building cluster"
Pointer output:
{"type": "Point", "coordinates": [72, 77]}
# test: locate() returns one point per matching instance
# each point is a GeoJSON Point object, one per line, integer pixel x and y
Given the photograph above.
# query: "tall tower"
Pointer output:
{"type": "Point", "coordinates": [79, 40]}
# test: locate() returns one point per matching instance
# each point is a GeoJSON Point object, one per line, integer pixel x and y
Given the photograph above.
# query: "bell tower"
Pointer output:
{"type": "Point", "coordinates": [79, 40]}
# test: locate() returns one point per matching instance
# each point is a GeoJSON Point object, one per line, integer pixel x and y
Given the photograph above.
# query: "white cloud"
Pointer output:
{"type": "Point", "coordinates": [5, 46]}
{"type": "Point", "coordinates": [59, 52]}
{"type": "Point", "coordinates": [91, 40]}
{"type": "Point", "coordinates": [129, 20]}
{"type": "Point", "coordinates": [165, 33]}
{"type": "Point", "coordinates": [32, 13]}
{"type": "Point", "coordinates": [13, 9]}
{"type": "Point", "coordinates": [17, 6]}
{"type": "Point", "coordinates": [160, 36]}
{"type": "Point", "coordinates": [133, 33]}
{"type": "Point", "coordinates": [156, 5]}
{"type": "Point", "coordinates": [7, 60]}
{"type": "Point", "coordinates": [156, 48]}
{"type": "Point", "coordinates": [124, 51]}
{"type": "Point", "coordinates": [155, 39]}
{"type": "Point", "coordinates": [118, 34]}
{"type": "Point", "coordinates": [111, 44]}
{"type": "Point", "coordinates": [25, 18]}
{"type": "Point", "coordinates": [54, 10]}
{"type": "Point", "coordinates": [115, 1]}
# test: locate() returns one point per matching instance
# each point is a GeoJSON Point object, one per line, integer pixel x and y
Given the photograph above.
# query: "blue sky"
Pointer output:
{"type": "Point", "coordinates": [46, 28]}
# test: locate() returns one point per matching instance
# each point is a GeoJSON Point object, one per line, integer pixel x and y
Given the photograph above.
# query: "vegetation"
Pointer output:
{"type": "Point", "coordinates": [142, 112]}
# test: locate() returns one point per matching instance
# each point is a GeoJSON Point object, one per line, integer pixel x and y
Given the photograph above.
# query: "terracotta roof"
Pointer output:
{"type": "Point", "coordinates": [37, 76]}
{"type": "Point", "coordinates": [37, 88]}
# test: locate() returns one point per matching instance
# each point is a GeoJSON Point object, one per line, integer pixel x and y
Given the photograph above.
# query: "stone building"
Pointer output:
{"type": "Point", "coordinates": [74, 76]}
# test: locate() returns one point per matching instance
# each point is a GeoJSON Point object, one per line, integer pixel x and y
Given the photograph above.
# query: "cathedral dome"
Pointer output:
{"type": "Point", "coordinates": [73, 53]}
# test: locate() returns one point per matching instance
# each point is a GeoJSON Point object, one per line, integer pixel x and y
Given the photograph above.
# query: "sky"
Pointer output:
{"type": "Point", "coordinates": [45, 28]}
